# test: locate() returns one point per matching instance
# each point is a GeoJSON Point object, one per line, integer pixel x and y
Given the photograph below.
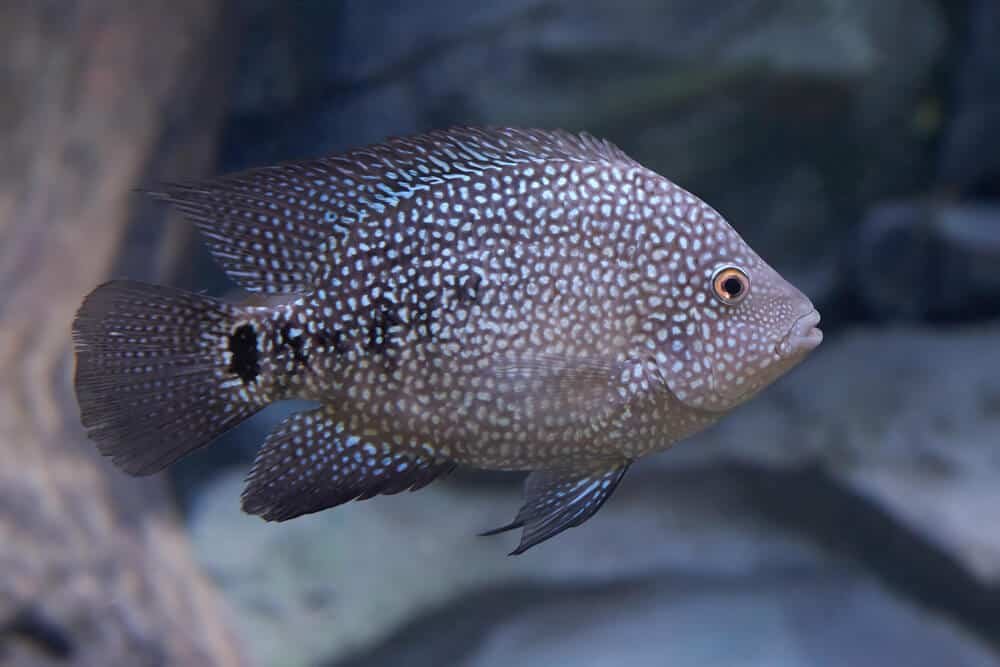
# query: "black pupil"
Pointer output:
{"type": "Point", "coordinates": [732, 286]}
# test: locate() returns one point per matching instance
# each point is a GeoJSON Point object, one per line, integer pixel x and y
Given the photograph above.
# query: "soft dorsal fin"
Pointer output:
{"type": "Point", "coordinates": [263, 224]}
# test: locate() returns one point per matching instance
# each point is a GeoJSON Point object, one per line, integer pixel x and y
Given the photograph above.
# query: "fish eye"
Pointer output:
{"type": "Point", "coordinates": [730, 284]}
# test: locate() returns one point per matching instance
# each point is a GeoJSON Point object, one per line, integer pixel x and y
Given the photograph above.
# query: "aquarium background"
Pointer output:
{"type": "Point", "coordinates": [850, 515]}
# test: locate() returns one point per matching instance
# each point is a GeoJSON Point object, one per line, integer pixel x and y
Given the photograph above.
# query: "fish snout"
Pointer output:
{"type": "Point", "coordinates": [804, 335]}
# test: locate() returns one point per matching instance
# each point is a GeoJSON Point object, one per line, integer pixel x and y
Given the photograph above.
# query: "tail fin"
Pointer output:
{"type": "Point", "coordinates": [161, 372]}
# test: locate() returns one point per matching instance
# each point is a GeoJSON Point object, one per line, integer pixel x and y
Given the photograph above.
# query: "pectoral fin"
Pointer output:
{"type": "Point", "coordinates": [559, 499]}
{"type": "Point", "coordinates": [576, 389]}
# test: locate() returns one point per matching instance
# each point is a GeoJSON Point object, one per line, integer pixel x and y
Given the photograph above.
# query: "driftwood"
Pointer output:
{"type": "Point", "coordinates": [94, 568]}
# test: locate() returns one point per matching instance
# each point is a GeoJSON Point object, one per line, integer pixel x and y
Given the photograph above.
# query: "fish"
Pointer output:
{"type": "Point", "coordinates": [501, 298]}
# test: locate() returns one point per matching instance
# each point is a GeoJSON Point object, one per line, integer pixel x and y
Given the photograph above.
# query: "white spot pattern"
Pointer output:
{"type": "Point", "coordinates": [514, 297]}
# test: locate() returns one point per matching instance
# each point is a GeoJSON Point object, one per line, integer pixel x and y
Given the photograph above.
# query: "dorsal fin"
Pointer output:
{"type": "Point", "coordinates": [262, 225]}
{"type": "Point", "coordinates": [470, 150]}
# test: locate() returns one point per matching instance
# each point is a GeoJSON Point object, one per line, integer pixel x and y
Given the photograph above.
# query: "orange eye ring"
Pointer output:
{"type": "Point", "coordinates": [730, 284]}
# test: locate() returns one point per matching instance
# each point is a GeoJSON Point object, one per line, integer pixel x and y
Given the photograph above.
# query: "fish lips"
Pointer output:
{"type": "Point", "coordinates": [803, 337]}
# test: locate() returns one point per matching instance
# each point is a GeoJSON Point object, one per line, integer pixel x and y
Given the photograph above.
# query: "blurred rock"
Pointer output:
{"type": "Point", "coordinates": [94, 567]}
{"type": "Point", "coordinates": [282, 58]}
{"type": "Point", "coordinates": [909, 417]}
{"type": "Point", "coordinates": [356, 119]}
{"type": "Point", "coordinates": [381, 39]}
{"type": "Point", "coordinates": [332, 584]}
{"type": "Point", "coordinates": [970, 149]}
{"type": "Point", "coordinates": [919, 261]}
{"type": "Point", "coordinates": [269, 75]}
{"type": "Point", "coordinates": [816, 618]}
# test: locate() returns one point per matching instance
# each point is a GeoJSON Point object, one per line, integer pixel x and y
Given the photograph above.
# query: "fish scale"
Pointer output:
{"type": "Point", "coordinates": [503, 298]}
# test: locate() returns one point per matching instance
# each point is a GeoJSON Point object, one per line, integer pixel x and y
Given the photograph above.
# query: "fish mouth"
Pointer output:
{"type": "Point", "coordinates": [804, 335]}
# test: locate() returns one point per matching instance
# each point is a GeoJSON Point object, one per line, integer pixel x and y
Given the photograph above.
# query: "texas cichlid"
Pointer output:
{"type": "Point", "coordinates": [501, 298]}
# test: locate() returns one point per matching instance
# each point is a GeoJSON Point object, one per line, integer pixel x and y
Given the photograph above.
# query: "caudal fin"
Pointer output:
{"type": "Point", "coordinates": [160, 372]}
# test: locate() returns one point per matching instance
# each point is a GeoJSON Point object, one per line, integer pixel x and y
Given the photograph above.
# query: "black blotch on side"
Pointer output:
{"type": "Point", "coordinates": [380, 330]}
{"type": "Point", "coordinates": [293, 342]}
{"type": "Point", "coordinates": [245, 360]}
{"type": "Point", "coordinates": [334, 341]}
{"type": "Point", "coordinates": [425, 314]}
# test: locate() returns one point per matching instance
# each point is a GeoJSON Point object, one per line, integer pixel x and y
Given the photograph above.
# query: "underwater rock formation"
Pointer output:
{"type": "Point", "coordinates": [94, 567]}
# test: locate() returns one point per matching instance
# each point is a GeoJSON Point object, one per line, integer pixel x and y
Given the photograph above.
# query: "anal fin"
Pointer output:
{"type": "Point", "coordinates": [310, 463]}
{"type": "Point", "coordinates": [559, 499]}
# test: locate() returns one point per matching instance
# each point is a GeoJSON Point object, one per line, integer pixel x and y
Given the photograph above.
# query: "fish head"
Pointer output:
{"type": "Point", "coordinates": [734, 324]}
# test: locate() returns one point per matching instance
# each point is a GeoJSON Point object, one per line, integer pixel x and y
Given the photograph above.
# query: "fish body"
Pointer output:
{"type": "Point", "coordinates": [506, 299]}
